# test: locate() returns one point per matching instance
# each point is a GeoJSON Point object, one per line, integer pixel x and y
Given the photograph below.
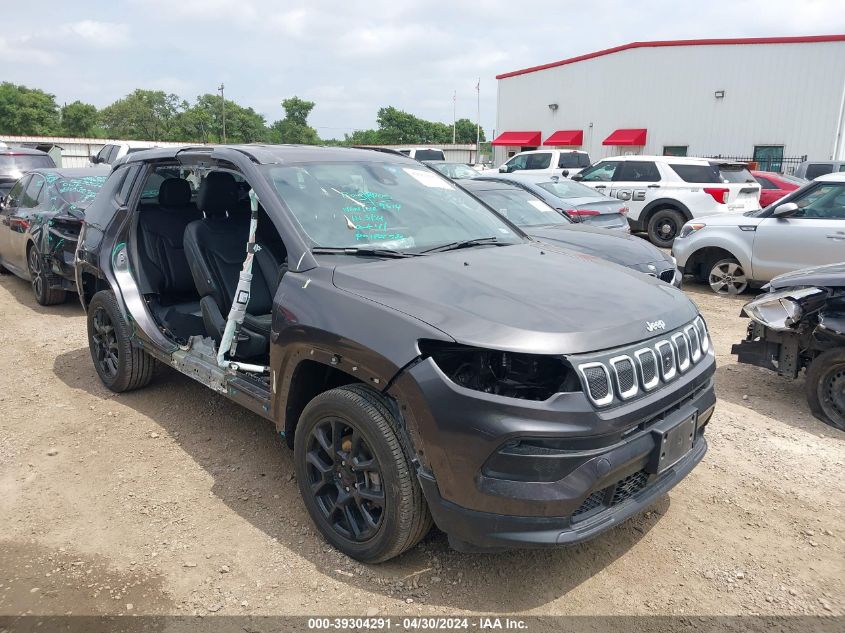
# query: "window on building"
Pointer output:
{"type": "Point", "coordinates": [768, 157]}
{"type": "Point", "coordinates": [675, 150]}
{"type": "Point", "coordinates": [637, 171]}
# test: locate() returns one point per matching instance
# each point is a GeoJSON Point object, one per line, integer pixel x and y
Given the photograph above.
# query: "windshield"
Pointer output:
{"type": "Point", "coordinates": [564, 188]}
{"type": "Point", "coordinates": [521, 207]}
{"type": "Point", "coordinates": [74, 193]}
{"type": "Point", "coordinates": [456, 171]}
{"type": "Point", "coordinates": [384, 205]}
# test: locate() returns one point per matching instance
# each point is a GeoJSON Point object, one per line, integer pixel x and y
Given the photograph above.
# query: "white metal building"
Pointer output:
{"type": "Point", "coordinates": [771, 99]}
{"type": "Point", "coordinates": [67, 151]}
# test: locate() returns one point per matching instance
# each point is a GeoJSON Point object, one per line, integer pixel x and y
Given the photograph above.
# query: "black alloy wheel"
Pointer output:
{"type": "Point", "coordinates": [121, 365]}
{"type": "Point", "coordinates": [356, 475]}
{"type": "Point", "coordinates": [44, 294]}
{"type": "Point", "coordinates": [104, 343]}
{"type": "Point", "coordinates": [345, 479]}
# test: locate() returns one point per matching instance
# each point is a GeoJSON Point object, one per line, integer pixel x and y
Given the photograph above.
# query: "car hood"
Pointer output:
{"type": "Point", "coordinates": [830, 276]}
{"type": "Point", "coordinates": [729, 219]}
{"type": "Point", "coordinates": [524, 298]}
{"type": "Point", "coordinates": [615, 246]}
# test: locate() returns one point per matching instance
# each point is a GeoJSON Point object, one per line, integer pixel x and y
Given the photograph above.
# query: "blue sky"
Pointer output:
{"type": "Point", "coordinates": [354, 56]}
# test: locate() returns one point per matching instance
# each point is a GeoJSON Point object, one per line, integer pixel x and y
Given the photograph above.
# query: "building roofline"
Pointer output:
{"type": "Point", "coordinates": [804, 39]}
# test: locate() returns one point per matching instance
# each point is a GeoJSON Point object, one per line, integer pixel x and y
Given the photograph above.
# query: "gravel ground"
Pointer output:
{"type": "Point", "coordinates": [172, 500]}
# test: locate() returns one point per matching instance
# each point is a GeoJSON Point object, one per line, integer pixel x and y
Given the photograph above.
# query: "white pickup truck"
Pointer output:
{"type": "Point", "coordinates": [558, 162]}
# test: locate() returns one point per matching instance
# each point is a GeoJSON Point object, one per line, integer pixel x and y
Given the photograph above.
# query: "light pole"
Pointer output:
{"type": "Point", "coordinates": [454, 115]}
{"type": "Point", "coordinates": [223, 98]}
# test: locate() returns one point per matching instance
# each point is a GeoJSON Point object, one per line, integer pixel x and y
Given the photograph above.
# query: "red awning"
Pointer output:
{"type": "Point", "coordinates": [518, 138]}
{"type": "Point", "coordinates": [626, 137]}
{"type": "Point", "coordinates": [566, 137]}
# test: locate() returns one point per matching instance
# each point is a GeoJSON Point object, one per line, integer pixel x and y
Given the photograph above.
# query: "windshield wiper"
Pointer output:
{"type": "Point", "coordinates": [478, 241]}
{"type": "Point", "coordinates": [363, 251]}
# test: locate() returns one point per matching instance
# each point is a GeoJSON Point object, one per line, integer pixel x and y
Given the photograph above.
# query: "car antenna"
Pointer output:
{"type": "Point", "coordinates": [229, 341]}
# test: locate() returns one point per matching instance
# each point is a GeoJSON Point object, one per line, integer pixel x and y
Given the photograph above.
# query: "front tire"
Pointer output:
{"type": "Point", "coordinates": [825, 387]}
{"type": "Point", "coordinates": [120, 365]}
{"type": "Point", "coordinates": [727, 277]}
{"type": "Point", "coordinates": [664, 226]}
{"type": "Point", "coordinates": [40, 280]}
{"type": "Point", "coordinates": [356, 477]}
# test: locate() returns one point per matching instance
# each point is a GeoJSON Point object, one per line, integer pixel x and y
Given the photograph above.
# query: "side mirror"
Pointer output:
{"type": "Point", "coordinates": [94, 159]}
{"type": "Point", "coordinates": [577, 177]}
{"type": "Point", "coordinates": [2, 202]}
{"type": "Point", "coordinates": [504, 169]}
{"type": "Point", "coordinates": [565, 173]}
{"type": "Point", "coordinates": [786, 209]}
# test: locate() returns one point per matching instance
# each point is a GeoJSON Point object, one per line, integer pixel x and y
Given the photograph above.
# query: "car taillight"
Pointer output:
{"type": "Point", "coordinates": [582, 212]}
{"type": "Point", "coordinates": [720, 194]}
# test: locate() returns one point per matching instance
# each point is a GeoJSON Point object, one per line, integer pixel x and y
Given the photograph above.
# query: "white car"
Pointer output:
{"type": "Point", "coordinates": [664, 192]}
{"type": "Point", "coordinates": [557, 162]}
{"type": "Point", "coordinates": [423, 153]}
{"type": "Point", "coordinates": [110, 152]}
{"type": "Point", "coordinates": [732, 252]}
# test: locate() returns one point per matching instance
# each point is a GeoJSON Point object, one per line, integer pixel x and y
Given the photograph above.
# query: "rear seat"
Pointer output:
{"type": "Point", "coordinates": [160, 235]}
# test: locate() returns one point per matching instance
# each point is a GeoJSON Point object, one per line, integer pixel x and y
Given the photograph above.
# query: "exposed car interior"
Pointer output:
{"type": "Point", "coordinates": [190, 244]}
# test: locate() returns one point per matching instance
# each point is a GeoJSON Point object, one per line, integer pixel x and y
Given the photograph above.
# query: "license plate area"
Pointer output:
{"type": "Point", "coordinates": [671, 443]}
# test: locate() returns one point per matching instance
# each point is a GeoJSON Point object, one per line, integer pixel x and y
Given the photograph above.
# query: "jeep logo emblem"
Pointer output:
{"type": "Point", "coordinates": [651, 326]}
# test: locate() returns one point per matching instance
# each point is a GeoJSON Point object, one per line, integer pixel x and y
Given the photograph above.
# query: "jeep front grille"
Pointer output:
{"type": "Point", "coordinates": [598, 382]}
{"type": "Point", "coordinates": [624, 376]}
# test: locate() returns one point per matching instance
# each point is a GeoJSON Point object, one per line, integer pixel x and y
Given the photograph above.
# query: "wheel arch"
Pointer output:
{"type": "Point", "coordinates": [697, 263]}
{"type": "Point", "coordinates": [663, 203]}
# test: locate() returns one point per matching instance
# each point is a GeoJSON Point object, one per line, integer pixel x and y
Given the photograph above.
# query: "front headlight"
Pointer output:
{"type": "Point", "coordinates": [781, 310]}
{"type": "Point", "coordinates": [689, 228]}
{"type": "Point", "coordinates": [514, 375]}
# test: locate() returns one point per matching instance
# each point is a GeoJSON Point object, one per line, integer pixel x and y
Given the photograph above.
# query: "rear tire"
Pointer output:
{"type": "Point", "coordinates": [825, 387]}
{"type": "Point", "coordinates": [726, 276]}
{"type": "Point", "coordinates": [40, 280]}
{"type": "Point", "coordinates": [120, 365]}
{"type": "Point", "coordinates": [664, 226]}
{"type": "Point", "coordinates": [356, 477]}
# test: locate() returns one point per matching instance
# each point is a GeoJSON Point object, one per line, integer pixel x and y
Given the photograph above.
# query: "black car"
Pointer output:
{"type": "Point", "coordinates": [423, 357]}
{"type": "Point", "coordinates": [16, 161]}
{"type": "Point", "coordinates": [799, 324]}
{"type": "Point", "coordinates": [40, 219]}
{"type": "Point", "coordinates": [546, 224]}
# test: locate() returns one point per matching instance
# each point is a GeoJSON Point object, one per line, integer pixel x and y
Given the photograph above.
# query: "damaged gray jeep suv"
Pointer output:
{"type": "Point", "coordinates": [424, 358]}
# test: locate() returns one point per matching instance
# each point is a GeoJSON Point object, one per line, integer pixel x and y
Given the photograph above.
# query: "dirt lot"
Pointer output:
{"type": "Point", "coordinates": [172, 500]}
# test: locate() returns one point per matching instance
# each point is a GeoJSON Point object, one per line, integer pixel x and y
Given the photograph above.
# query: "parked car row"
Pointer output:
{"type": "Point", "coordinates": [369, 306]}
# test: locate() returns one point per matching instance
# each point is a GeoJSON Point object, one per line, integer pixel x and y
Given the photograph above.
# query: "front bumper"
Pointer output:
{"type": "Point", "coordinates": [501, 472]}
{"type": "Point", "coordinates": [469, 530]}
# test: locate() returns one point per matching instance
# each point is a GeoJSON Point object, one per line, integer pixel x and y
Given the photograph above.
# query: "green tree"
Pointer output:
{"type": "Point", "coordinates": [79, 119]}
{"type": "Point", "coordinates": [142, 115]}
{"type": "Point", "coordinates": [27, 111]}
{"type": "Point", "coordinates": [204, 122]}
{"type": "Point", "coordinates": [294, 127]}
{"type": "Point", "coordinates": [465, 132]}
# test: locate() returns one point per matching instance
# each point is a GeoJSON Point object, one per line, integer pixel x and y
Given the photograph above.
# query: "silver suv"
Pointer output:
{"type": "Point", "coordinates": [733, 252]}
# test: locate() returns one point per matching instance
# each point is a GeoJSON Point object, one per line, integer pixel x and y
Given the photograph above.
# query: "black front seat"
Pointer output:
{"type": "Point", "coordinates": [216, 249]}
